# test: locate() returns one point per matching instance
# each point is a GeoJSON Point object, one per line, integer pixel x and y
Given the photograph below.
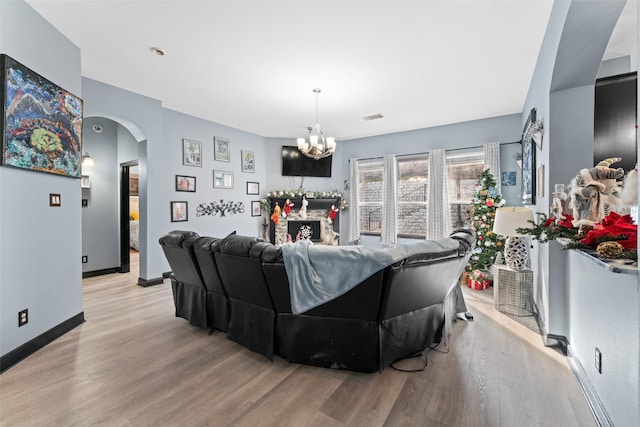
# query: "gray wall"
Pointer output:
{"type": "Point", "coordinates": [275, 180]}
{"type": "Point", "coordinates": [604, 313]}
{"type": "Point", "coordinates": [100, 219]}
{"type": "Point", "coordinates": [562, 91]}
{"type": "Point", "coordinates": [511, 194]}
{"type": "Point", "coordinates": [39, 245]}
{"type": "Point", "coordinates": [142, 116]}
{"type": "Point", "coordinates": [160, 133]}
{"type": "Point", "coordinates": [177, 126]}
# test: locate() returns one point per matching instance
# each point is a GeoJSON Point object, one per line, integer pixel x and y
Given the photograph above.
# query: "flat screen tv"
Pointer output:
{"type": "Point", "coordinates": [294, 163]}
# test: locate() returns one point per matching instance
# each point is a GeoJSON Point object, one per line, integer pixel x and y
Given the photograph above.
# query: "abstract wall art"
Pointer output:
{"type": "Point", "coordinates": [42, 123]}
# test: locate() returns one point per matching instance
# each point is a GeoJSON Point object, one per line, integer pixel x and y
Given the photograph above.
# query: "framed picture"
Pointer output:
{"type": "Point", "coordinates": [186, 183]}
{"type": "Point", "coordinates": [41, 122]}
{"type": "Point", "coordinates": [248, 161]}
{"type": "Point", "coordinates": [255, 208]}
{"type": "Point", "coordinates": [221, 149]}
{"type": "Point", "coordinates": [179, 212]}
{"type": "Point", "coordinates": [253, 187]}
{"type": "Point", "coordinates": [310, 195]}
{"type": "Point", "coordinates": [85, 181]}
{"type": "Point", "coordinates": [508, 179]}
{"type": "Point", "coordinates": [191, 152]}
{"type": "Point", "coordinates": [528, 163]}
{"type": "Point", "coordinates": [222, 179]}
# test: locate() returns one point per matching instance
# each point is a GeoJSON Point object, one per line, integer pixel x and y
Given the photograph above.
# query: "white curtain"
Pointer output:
{"type": "Point", "coordinates": [438, 215]}
{"type": "Point", "coordinates": [389, 232]}
{"type": "Point", "coordinates": [492, 161]}
{"type": "Point", "coordinates": [354, 225]}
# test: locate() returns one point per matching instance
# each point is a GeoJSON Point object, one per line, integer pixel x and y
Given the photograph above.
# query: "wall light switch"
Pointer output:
{"type": "Point", "coordinates": [54, 200]}
{"type": "Point", "coordinates": [85, 203]}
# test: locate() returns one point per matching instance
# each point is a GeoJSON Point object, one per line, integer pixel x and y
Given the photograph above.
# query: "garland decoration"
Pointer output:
{"type": "Point", "coordinates": [614, 228]}
{"type": "Point", "coordinates": [300, 193]}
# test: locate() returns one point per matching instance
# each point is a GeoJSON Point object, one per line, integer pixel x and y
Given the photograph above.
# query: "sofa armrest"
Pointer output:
{"type": "Point", "coordinates": [466, 237]}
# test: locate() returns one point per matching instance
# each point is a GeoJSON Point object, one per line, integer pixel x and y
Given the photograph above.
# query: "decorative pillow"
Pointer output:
{"type": "Point", "coordinates": [135, 216]}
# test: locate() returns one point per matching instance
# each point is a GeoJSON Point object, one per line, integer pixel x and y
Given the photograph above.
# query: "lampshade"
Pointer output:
{"type": "Point", "coordinates": [509, 218]}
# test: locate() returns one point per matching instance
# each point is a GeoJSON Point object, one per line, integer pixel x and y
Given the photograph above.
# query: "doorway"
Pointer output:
{"type": "Point", "coordinates": [129, 218]}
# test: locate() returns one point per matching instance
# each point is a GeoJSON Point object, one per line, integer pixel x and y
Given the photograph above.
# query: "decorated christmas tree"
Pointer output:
{"type": "Point", "coordinates": [483, 211]}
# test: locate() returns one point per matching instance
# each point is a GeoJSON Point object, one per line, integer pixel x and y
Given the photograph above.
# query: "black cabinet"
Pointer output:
{"type": "Point", "coordinates": [615, 119]}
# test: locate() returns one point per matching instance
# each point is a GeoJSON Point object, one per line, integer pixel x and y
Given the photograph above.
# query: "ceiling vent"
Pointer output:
{"type": "Point", "coordinates": [373, 117]}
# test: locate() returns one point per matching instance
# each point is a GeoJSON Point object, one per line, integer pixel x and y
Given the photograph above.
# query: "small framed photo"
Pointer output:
{"type": "Point", "coordinates": [191, 152]}
{"type": "Point", "coordinates": [85, 181]}
{"type": "Point", "coordinates": [253, 187]}
{"type": "Point", "coordinates": [310, 195]}
{"type": "Point", "coordinates": [179, 212]}
{"type": "Point", "coordinates": [222, 179]}
{"type": "Point", "coordinates": [221, 149]}
{"type": "Point", "coordinates": [508, 179]}
{"type": "Point", "coordinates": [248, 161]}
{"type": "Point", "coordinates": [255, 208]}
{"type": "Point", "coordinates": [186, 183]}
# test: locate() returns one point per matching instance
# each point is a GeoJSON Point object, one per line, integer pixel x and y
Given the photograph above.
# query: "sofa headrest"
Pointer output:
{"type": "Point", "coordinates": [427, 257]}
{"type": "Point", "coordinates": [240, 246]}
{"type": "Point", "coordinates": [272, 254]}
{"type": "Point", "coordinates": [177, 238]}
{"type": "Point", "coordinates": [204, 243]}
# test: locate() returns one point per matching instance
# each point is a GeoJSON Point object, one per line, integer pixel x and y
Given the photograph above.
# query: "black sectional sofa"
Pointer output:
{"type": "Point", "coordinates": [240, 285]}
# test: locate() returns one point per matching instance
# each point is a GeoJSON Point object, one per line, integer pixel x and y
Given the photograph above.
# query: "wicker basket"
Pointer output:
{"type": "Point", "coordinates": [513, 291]}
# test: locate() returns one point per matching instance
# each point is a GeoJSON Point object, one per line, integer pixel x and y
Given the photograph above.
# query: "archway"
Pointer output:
{"type": "Point", "coordinates": [113, 143]}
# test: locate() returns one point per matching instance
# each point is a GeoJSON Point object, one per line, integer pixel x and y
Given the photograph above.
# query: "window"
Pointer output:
{"type": "Point", "coordinates": [412, 180]}
{"type": "Point", "coordinates": [412, 190]}
{"type": "Point", "coordinates": [370, 196]}
{"type": "Point", "coordinates": [463, 169]}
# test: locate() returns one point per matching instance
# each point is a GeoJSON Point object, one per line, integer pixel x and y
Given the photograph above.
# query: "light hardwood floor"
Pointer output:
{"type": "Point", "coordinates": [133, 363]}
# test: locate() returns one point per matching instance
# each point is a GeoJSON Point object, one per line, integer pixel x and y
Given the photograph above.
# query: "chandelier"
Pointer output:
{"type": "Point", "coordinates": [318, 147]}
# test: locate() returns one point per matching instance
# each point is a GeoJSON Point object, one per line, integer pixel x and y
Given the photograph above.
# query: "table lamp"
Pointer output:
{"type": "Point", "coordinates": [507, 220]}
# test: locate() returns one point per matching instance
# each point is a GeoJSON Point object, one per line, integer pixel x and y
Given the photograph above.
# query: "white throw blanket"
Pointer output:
{"type": "Point", "coordinates": [319, 273]}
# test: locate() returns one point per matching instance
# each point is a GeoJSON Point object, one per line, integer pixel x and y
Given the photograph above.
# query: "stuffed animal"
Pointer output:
{"type": "Point", "coordinates": [629, 193]}
{"type": "Point", "coordinates": [288, 204]}
{"type": "Point", "coordinates": [275, 216]}
{"type": "Point", "coordinates": [595, 190]}
{"type": "Point", "coordinates": [303, 209]}
{"type": "Point", "coordinates": [328, 236]}
{"type": "Point", "coordinates": [331, 215]}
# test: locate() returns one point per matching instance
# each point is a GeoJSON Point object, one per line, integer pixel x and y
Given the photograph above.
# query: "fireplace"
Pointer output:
{"type": "Point", "coordinates": [313, 227]}
{"type": "Point", "coordinates": [316, 219]}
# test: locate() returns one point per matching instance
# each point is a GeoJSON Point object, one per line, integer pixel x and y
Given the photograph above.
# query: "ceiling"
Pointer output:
{"type": "Point", "coordinates": [253, 65]}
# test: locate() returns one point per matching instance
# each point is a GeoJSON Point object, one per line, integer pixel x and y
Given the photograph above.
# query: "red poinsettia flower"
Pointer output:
{"type": "Point", "coordinates": [567, 222]}
{"type": "Point", "coordinates": [614, 225]}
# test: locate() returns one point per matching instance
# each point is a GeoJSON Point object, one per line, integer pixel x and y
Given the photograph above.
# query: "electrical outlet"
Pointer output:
{"type": "Point", "coordinates": [23, 317]}
{"type": "Point", "coordinates": [85, 259]}
{"type": "Point", "coordinates": [598, 360]}
{"type": "Point", "coordinates": [85, 203]}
